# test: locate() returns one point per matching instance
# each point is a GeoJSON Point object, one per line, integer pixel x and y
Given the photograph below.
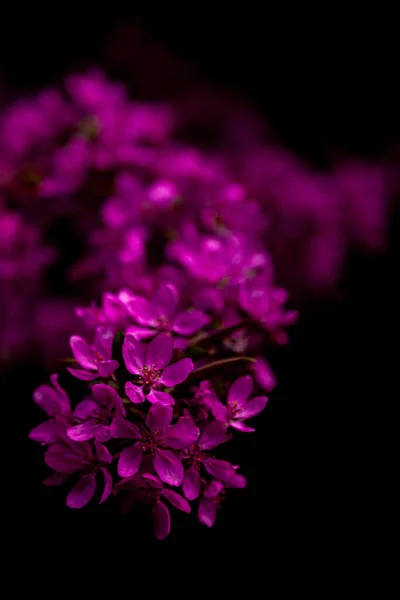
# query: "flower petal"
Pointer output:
{"type": "Point", "coordinates": [213, 489]}
{"type": "Point", "coordinates": [191, 484]}
{"type": "Point", "coordinates": [107, 367]}
{"type": "Point", "coordinates": [159, 417]}
{"type": "Point", "coordinates": [83, 431]}
{"type": "Point", "coordinates": [168, 467]}
{"type": "Point", "coordinates": [103, 455]}
{"type": "Point", "coordinates": [140, 333]}
{"type": "Point", "coordinates": [177, 373]}
{"type": "Point", "coordinates": [129, 461]}
{"type": "Point", "coordinates": [254, 407]}
{"type": "Point", "coordinates": [159, 351]}
{"type": "Point", "coordinates": [105, 395]}
{"type": "Point", "coordinates": [166, 299]}
{"type": "Point", "coordinates": [207, 511]}
{"type": "Point", "coordinates": [264, 374]}
{"type": "Point", "coordinates": [133, 353]}
{"type": "Point", "coordinates": [108, 482]}
{"type": "Point", "coordinates": [183, 434]}
{"type": "Point", "coordinates": [134, 393]}
{"type": "Point", "coordinates": [176, 500]}
{"type": "Point", "coordinates": [190, 322]}
{"type": "Point", "coordinates": [56, 479]}
{"type": "Point", "coordinates": [162, 521]}
{"type": "Point", "coordinates": [85, 409]}
{"type": "Point", "coordinates": [83, 375]}
{"type": "Point", "coordinates": [213, 435]}
{"type": "Point", "coordinates": [83, 353]}
{"type": "Point", "coordinates": [240, 390]}
{"type": "Point", "coordinates": [82, 492]}
{"type": "Point", "coordinates": [142, 311]}
{"type": "Point", "coordinates": [160, 398]}
{"type": "Point", "coordinates": [45, 433]}
{"type": "Point", "coordinates": [221, 469]}
{"type": "Point", "coordinates": [120, 428]}
{"type": "Point", "coordinates": [240, 426]}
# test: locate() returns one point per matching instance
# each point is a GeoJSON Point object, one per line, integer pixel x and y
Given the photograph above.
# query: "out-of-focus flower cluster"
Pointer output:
{"type": "Point", "coordinates": [144, 206]}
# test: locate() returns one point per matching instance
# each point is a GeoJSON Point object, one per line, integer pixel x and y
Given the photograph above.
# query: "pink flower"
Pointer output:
{"type": "Point", "coordinates": [68, 457]}
{"type": "Point", "coordinates": [161, 314]}
{"type": "Point", "coordinates": [55, 402]}
{"type": "Point", "coordinates": [149, 489]}
{"type": "Point", "coordinates": [96, 358]}
{"type": "Point", "coordinates": [150, 362]}
{"type": "Point", "coordinates": [160, 440]}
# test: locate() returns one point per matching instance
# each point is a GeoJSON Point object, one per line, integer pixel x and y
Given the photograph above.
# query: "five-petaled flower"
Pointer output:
{"type": "Point", "coordinates": [160, 440]}
{"type": "Point", "coordinates": [95, 359]}
{"type": "Point", "coordinates": [150, 362]}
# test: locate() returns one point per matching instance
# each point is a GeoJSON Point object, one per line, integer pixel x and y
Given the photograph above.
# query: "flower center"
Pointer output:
{"type": "Point", "coordinates": [151, 440]}
{"type": "Point", "coordinates": [234, 409]}
{"type": "Point", "coordinates": [150, 375]}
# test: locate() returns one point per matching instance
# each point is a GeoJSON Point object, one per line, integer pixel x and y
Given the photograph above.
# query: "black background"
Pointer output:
{"type": "Point", "coordinates": [320, 465]}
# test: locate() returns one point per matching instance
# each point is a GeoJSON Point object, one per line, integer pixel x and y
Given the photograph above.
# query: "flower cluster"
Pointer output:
{"type": "Point", "coordinates": [141, 205]}
{"type": "Point", "coordinates": [151, 418]}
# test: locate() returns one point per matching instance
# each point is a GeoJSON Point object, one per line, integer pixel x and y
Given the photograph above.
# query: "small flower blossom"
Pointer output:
{"type": "Point", "coordinates": [150, 362]}
{"type": "Point", "coordinates": [159, 439]}
{"type": "Point", "coordinates": [95, 415]}
{"type": "Point", "coordinates": [149, 489]}
{"type": "Point", "coordinates": [68, 457]}
{"type": "Point", "coordinates": [55, 402]}
{"type": "Point", "coordinates": [238, 406]}
{"type": "Point", "coordinates": [95, 360]}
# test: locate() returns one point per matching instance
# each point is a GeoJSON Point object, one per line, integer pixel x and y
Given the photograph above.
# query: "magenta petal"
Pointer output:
{"type": "Point", "coordinates": [52, 401]}
{"type": "Point", "coordinates": [240, 390]}
{"type": "Point", "coordinates": [207, 511]}
{"type": "Point", "coordinates": [107, 367]}
{"type": "Point", "coordinates": [176, 500]}
{"type": "Point", "coordinates": [159, 351]}
{"type": "Point", "coordinates": [62, 460]}
{"type": "Point", "coordinates": [83, 375]}
{"type": "Point", "coordinates": [162, 521]}
{"type": "Point", "coordinates": [56, 479]}
{"type": "Point", "coordinates": [239, 481]}
{"type": "Point", "coordinates": [254, 407]}
{"type": "Point", "coordinates": [160, 398]}
{"type": "Point", "coordinates": [108, 482]}
{"type": "Point", "coordinates": [240, 426]}
{"type": "Point", "coordinates": [168, 467]}
{"type": "Point", "coordinates": [142, 311]}
{"type": "Point", "coordinates": [83, 353]}
{"type": "Point", "coordinates": [190, 322]}
{"type": "Point", "coordinates": [105, 395]}
{"type": "Point", "coordinates": [159, 417]}
{"type": "Point", "coordinates": [103, 454]}
{"type": "Point", "coordinates": [213, 435]}
{"type": "Point", "coordinates": [166, 299]}
{"type": "Point", "coordinates": [45, 433]}
{"type": "Point", "coordinates": [82, 432]}
{"type": "Point", "coordinates": [134, 393]}
{"type": "Point", "coordinates": [177, 373]}
{"type": "Point", "coordinates": [129, 461]}
{"type": "Point", "coordinates": [213, 489]}
{"type": "Point", "coordinates": [264, 374]}
{"type": "Point", "coordinates": [85, 409]}
{"type": "Point", "coordinates": [82, 492]}
{"type": "Point", "coordinates": [140, 333]}
{"type": "Point", "coordinates": [221, 469]}
{"type": "Point", "coordinates": [133, 353]}
{"type": "Point", "coordinates": [183, 434]}
{"type": "Point", "coordinates": [120, 428]}
{"type": "Point", "coordinates": [191, 484]}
